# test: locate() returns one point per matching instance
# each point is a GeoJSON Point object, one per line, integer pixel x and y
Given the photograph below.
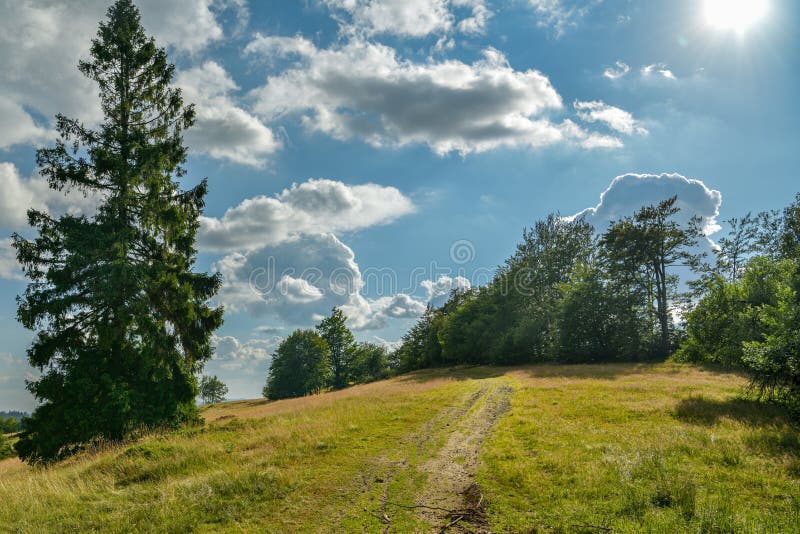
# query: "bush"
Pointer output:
{"type": "Point", "coordinates": [6, 450]}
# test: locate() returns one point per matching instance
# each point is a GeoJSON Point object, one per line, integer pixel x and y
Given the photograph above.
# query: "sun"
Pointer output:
{"type": "Point", "coordinates": [736, 15]}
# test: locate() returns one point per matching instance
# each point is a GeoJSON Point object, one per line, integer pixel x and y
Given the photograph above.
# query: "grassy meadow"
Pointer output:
{"type": "Point", "coordinates": [622, 448]}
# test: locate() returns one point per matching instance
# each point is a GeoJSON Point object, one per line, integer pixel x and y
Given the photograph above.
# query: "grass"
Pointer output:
{"type": "Point", "coordinates": [640, 449]}
{"type": "Point", "coordinates": [633, 448]}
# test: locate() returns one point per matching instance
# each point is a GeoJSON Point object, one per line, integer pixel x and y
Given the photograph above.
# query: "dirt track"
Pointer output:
{"type": "Point", "coordinates": [449, 500]}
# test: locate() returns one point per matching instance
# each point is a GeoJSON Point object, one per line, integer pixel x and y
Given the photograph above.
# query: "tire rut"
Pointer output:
{"type": "Point", "coordinates": [451, 500]}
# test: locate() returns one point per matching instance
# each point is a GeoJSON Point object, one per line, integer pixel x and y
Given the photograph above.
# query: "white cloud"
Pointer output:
{"type": "Point", "coordinates": [368, 314]}
{"type": "Point", "coordinates": [21, 194]}
{"type": "Point", "coordinates": [629, 192]}
{"type": "Point", "coordinates": [17, 126]}
{"type": "Point", "coordinates": [658, 69]}
{"type": "Point", "coordinates": [480, 15]}
{"type": "Point", "coordinates": [314, 206]}
{"type": "Point", "coordinates": [619, 70]}
{"type": "Point", "coordinates": [560, 15]}
{"type": "Point", "coordinates": [223, 129]}
{"type": "Point", "coordinates": [390, 345]}
{"type": "Point", "coordinates": [615, 118]}
{"type": "Point", "coordinates": [230, 348]}
{"type": "Point", "coordinates": [9, 268]}
{"type": "Point", "coordinates": [363, 90]}
{"type": "Point", "coordinates": [438, 291]}
{"type": "Point", "coordinates": [39, 53]}
{"type": "Point", "coordinates": [299, 280]}
{"type": "Point", "coordinates": [265, 282]}
{"type": "Point", "coordinates": [410, 18]}
{"type": "Point", "coordinates": [269, 46]}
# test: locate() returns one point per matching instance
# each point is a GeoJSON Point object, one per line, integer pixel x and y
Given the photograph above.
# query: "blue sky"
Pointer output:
{"type": "Point", "coordinates": [373, 154]}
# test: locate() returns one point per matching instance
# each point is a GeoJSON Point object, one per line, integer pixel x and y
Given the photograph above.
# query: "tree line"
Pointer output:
{"type": "Point", "coordinates": [571, 295]}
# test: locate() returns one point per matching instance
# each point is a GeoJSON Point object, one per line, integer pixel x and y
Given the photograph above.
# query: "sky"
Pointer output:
{"type": "Point", "coordinates": [375, 154]}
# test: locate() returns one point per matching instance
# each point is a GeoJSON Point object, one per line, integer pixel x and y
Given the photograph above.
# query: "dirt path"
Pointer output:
{"type": "Point", "coordinates": [451, 500]}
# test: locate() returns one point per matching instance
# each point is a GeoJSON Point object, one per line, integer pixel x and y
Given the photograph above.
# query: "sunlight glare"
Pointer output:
{"type": "Point", "coordinates": [736, 15]}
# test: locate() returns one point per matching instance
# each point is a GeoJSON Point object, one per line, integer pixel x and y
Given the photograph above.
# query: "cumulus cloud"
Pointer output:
{"type": "Point", "coordinates": [368, 314]}
{"type": "Point", "coordinates": [9, 268]}
{"type": "Point", "coordinates": [629, 192]}
{"type": "Point", "coordinates": [230, 348]}
{"type": "Point", "coordinates": [299, 280]}
{"type": "Point", "coordinates": [390, 345]}
{"type": "Point", "coordinates": [39, 54]}
{"type": "Point", "coordinates": [17, 126]}
{"type": "Point", "coordinates": [315, 206]}
{"type": "Point", "coordinates": [560, 15]}
{"type": "Point", "coordinates": [245, 357]}
{"type": "Point", "coordinates": [363, 90]}
{"type": "Point", "coordinates": [438, 291]}
{"type": "Point", "coordinates": [615, 118]}
{"type": "Point", "coordinates": [223, 129]}
{"type": "Point", "coordinates": [479, 18]}
{"type": "Point", "coordinates": [410, 18]}
{"type": "Point", "coordinates": [21, 194]}
{"type": "Point", "coordinates": [660, 70]}
{"type": "Point", "coordinates": [619, 70]}
{"type": "Point", "coordinates": [270, 46]}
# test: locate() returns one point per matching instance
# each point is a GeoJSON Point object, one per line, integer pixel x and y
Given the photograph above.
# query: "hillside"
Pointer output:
{"type": "Point", "coordinates": [543, 448]}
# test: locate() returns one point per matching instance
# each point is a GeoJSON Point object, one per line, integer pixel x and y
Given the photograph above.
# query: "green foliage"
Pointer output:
{"type": "Point", "coordinates": [8, 425]}
{"type": "Point", "coordinates": [561, 297]}
{"type": "Point", "coordinates": [774, 361]}
{"type": "Point", "coordinates": [751, 318]}
{"type": "Point", "coordinates": [370, 363]}
{"type": "Point", "coordinates": [731, 314]}
{"type": "Point", "coordinates": [212, 389]}
{"type": "Point", "coordinates": [585, 318]}
{"type": "Point", "coordinates": [341, 344]}
{"type": "Point", "coordinates": [420, 346]}
{"type": "Point", "coordinates": [300, 366]}
{"type": "Point", "coordinates": [122, 322]}
{"type": "Point", "coordinates": [6, 450]}
{"type": "Point", "coordinates": [637, 252]}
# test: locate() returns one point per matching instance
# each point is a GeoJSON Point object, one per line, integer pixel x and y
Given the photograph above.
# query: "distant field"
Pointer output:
{"type": "Point", "coordinates": [612, 448]}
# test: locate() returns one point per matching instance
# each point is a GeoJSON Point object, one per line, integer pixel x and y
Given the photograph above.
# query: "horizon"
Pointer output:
{"type": "Point", "coordinates": [407, 155]}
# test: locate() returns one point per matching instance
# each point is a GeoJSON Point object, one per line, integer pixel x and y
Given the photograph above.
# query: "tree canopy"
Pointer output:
{"type": "Point", "coordinates": [212, 389]}
{"type": "Point", "coordinates": [300, 366]}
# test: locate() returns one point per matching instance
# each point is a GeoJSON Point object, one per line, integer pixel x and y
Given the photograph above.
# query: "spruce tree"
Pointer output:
{"type": "Point", "coordinates": [122, 321]}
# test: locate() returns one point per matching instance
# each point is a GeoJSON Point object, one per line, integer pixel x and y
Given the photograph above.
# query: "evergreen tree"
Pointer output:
{"type": "Point", "coordinates": [342, 346]}
{"type": "Point", "coordinates": [122, 321]}
{"type": "Point", "coordinates": [212, 389]}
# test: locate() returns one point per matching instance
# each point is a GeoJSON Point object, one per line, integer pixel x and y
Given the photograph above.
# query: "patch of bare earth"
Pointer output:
{"type": "Point", "coordinates": [451, 500]}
